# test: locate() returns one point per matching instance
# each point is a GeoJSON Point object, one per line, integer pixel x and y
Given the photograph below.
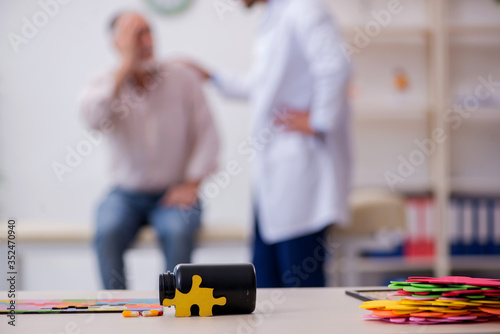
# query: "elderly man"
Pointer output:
{"type": "Point", "coordinates": [163, 143]}
{"type": "Point", "coordinates": [301, 152]}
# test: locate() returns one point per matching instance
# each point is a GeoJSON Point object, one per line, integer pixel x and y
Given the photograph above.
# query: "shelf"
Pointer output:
{"type": "Point", "coordinates": [393, 264]}
{"type": "Point", "coordinates": [391, 31]}
{"type": "Point", "coordinates": [481, 36]}
{"type": "Point", "coordinates": [475, 262]}
{"type": "Point", "coordinates": [387, 35]}
{"type": "Point", "coordinates": [410, 187]}
{"type": "Point", "coordinates": [400, 264]}
{"type": "Point", "coordinates": [378, 113]}
{"type": "Point", "coordinates": [485, 115]}
{"type": "Point", "coordinates": [473, 30]}
{"type": "Point", "coordinates": [415, 188]}
{"type": "Point", "coordinates": [476, 185]}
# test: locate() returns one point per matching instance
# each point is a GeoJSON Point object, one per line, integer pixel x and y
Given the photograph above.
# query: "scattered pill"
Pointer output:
{"type": "Point", "coordinates": [130, 314]}
{"type": "Point", "coordinates": [152, 313]}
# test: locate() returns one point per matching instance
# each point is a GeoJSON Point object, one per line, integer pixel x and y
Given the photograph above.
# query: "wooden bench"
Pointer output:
{"type": "Point", "coordinates": [83, 233]}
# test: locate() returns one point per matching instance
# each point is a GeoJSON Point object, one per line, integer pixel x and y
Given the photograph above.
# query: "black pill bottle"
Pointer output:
{"type": "Point", "coordinates": [235, 282]}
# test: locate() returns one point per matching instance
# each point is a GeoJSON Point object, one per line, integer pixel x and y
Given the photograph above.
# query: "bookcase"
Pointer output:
{"type": "Point", "coordinates": [425, 123]}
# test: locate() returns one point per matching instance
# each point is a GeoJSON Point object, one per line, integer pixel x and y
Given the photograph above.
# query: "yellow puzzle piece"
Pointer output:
{"type": "Point", "coordinates": [203, 297]}
{"type": "Point", "coordinates": [379, 304]}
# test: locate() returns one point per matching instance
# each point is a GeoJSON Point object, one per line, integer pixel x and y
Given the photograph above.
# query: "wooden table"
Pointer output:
{"type": "Point", "coordinates": [287, 311]}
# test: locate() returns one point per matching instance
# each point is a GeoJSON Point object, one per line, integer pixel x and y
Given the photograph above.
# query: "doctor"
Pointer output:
{"type": "Point", "coordinates": [302, 151]}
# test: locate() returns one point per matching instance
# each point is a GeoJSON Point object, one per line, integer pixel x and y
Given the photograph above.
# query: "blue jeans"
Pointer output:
{"type": "Point", "coordinates": [120, 217]}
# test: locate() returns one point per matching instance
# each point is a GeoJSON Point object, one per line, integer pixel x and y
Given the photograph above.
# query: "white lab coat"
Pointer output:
{"type": "Point", "coordinates": [301, 182]}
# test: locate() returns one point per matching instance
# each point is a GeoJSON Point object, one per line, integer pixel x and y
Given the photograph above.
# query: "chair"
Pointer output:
{"type": "Point", "coordinates": [378, 219]}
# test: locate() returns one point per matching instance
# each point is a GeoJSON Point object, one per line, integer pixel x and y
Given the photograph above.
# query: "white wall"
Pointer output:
{"type": "Point", "coordinates": [39, 86]}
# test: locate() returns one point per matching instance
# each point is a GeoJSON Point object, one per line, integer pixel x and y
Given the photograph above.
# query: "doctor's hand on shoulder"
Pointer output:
{"type": "Point", "coordinates": [203, 72]}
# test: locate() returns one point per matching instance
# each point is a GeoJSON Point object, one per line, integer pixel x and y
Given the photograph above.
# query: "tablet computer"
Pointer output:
{"type": "Point", "coordinates": [372, 294]}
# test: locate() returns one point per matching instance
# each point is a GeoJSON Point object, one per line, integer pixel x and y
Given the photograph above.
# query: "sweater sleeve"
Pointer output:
{"type": "Point", "coordinates": [204, 153]}
{"type": "Point", "coordinates": [96, 103]}
{"type": "Point", "coordinates": [233, 86]}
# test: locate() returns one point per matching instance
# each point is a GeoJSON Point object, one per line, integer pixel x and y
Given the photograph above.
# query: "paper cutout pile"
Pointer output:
{"type": "Point", "coordinates": [427, 300]}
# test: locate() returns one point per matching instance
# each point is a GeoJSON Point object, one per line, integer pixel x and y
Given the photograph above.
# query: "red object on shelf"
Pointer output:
{"type": "Point", "coordinates": [420, 240]}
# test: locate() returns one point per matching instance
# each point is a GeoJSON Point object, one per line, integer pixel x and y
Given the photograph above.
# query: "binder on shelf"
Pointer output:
{"type": "Point", "coordinates": [455, 226]}
{"type": "Point", "coordinates": [490, 217]}
{"type": "Point", "coordinates": [420, 222]}
{"type": "Point", "coordinates": [496, 226]}
{"type": "Point", "coordinates": [482, 227]}
{"type": "Point", "coordinates": [467, 235]}
{"type": "Point", "coordinates": [474, 227]}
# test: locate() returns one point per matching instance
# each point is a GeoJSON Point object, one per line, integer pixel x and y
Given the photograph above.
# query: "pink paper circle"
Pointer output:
{"type": "Point", "coordinates": [464, 317]}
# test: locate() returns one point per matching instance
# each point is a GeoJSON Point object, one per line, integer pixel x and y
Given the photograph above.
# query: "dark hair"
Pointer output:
{"type": "Point", "coordinates": [114, 21]}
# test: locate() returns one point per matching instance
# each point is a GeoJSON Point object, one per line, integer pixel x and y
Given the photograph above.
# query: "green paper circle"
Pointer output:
{"type": "Point", "coordinates": [465, 286]}
{"type": "Point", "coordinates": [415, 289]}
{"type": "Point", "coordinates": [427, 296]}
{"type": "Point", "coordinates": [426, 285]}
{"type": "Point", "coordinates": [401, 283]}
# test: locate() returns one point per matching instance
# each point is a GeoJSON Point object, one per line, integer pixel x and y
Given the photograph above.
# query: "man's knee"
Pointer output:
{"type": "Point", "coordinates": [177, 231]}
{"type": "Point", "coordinates": [109, 231]}
{"type": "Point", "coordinates": [112, 216]}
{"type": "Point", "coordinates": [103, 234]}
{"type": "Point", "coordinates": [175, 225]}
{"type": "Point", "coordinates": [105, 240]}
{"type": "Point", "coordinates": [187, 215]}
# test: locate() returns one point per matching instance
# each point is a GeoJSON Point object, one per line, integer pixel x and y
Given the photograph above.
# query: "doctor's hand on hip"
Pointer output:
{"type": "Point", "coordinates": [295, 121]}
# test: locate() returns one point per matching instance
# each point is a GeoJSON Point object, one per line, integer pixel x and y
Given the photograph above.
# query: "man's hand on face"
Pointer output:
{"type": "Point", "coordinates": [250, 3]}
{"type": "Point", "coordinates": [182, 195]}
{"type": "Point", "coordinates": [127, 41]}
